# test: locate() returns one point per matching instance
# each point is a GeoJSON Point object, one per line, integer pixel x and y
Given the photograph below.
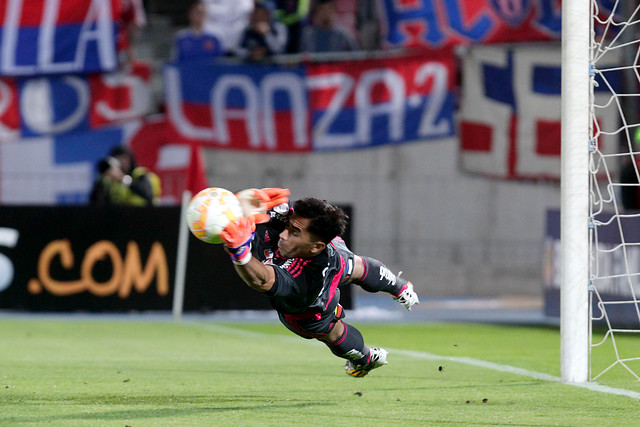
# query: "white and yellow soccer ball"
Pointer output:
{"type": "Point", "coordinates": [210, 211]}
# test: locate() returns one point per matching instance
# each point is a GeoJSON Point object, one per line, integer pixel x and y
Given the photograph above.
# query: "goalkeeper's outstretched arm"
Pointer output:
{"type": "Point", "coordinates": [237, 237]}
{"type": "Point", "coordinates": [256, 275]}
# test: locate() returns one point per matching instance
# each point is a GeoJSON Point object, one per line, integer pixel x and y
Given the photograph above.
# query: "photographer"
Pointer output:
{"type": "Point", "coordinates": [122, 182]}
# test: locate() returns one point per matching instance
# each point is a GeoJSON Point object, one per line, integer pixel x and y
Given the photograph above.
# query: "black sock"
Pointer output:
{"type": "Point", "coordinates": [350, 346]}
{"type": "Point", "coordinates": [377, 277]}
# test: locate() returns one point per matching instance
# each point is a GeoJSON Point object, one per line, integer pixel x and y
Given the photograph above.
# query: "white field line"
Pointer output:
{"type": "Point", "coordinates": [517, 371]}
{"type": "Point", "coordinates": [430, 356]}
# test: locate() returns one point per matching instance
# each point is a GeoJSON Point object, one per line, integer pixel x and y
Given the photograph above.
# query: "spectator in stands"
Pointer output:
{"type": "Point", "coordinates": [368, 24]}
{"type": "Point", "coordinates": [323, 35]}
{"type": "Point", "coordinates": [132, 19]}
{"type": "Point", "coordinates": [227, 19]}
{"type": "Point", "coordinates": [294, 14]}
{"type": "Point", "coordinates": [122, 182]}
{"type": "Point", "coordinates": [263, 37]}
{"type": "Point", "coordinates": [193, 42]}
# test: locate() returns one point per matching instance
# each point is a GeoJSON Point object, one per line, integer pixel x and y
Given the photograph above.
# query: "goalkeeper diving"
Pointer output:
{"type": "Point", "coordinates": [295, 256]}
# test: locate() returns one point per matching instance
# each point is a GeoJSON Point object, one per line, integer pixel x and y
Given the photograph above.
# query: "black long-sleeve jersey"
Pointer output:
{"type": "Point", "coordinates": [303, 285]}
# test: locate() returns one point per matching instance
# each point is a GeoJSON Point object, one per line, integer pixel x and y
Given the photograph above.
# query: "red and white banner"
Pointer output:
{"type": "Point", "coordinates": [58, 36]}
{"type": "Point", "coordinates": [441, 23]}
{"type": "Point", "coordinates": [313, 107]}
{"type": "Point", "coordinates": [510, 114]}
{"type": "Point", "coordinates": [59, 104]}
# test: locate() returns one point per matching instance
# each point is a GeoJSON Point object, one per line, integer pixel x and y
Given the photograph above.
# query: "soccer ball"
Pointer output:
{"type": "Point", "coordinates": [210, 211]}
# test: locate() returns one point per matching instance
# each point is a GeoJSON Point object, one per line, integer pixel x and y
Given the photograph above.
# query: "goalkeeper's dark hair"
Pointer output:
{"type": "Point", "coordinates": [326, 220]}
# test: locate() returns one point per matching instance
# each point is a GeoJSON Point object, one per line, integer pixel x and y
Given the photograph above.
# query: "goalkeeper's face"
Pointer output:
{"type": "Point", "coordinates": [296, 242]}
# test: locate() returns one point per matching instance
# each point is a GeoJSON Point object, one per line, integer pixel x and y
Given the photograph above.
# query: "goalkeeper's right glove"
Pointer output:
{"type": "Point", "coordinates": [237, 237]}
{"type": "Point", "coordinates": [255, 202]}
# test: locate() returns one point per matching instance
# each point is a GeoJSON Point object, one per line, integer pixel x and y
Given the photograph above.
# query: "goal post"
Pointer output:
{"type": "Point", "coordinates": [575, 136]}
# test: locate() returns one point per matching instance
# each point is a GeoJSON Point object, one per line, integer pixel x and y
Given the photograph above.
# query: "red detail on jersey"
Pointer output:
{"type": "Point", "coordinates": [335, 282]}
{"type": "Point", "coordinates": [268, 257]}
{"type": "Point", "coordinates": [344, 334]}
{"type": "Point", "coordinates": [336, 239]}
{"type": "Point", "coordinates": [293, 320]}
{"type": "Point", "coordinates": [366, 269]}
{"type": "Point", "coordinates": [267, 238]}
{"type": "Point", "coordinates": [297, 265]}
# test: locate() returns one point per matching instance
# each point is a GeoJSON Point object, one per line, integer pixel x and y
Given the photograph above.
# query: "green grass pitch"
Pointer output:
{"type": "Point", "coordinates": [81, 371]}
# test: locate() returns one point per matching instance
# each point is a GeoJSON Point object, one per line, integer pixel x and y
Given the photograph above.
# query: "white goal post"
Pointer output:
{"type": "Point", "coordinates": [576, 94]}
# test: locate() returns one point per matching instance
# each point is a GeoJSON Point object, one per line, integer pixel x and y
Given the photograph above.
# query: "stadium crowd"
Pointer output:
{"type": "Point", "coordinates": [254, 30]}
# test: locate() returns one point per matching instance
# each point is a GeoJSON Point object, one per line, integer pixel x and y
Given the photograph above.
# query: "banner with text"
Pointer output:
{"type": "Point", "coordinates": [510, 112]}
{"type": "Point", "coordinates": [445, 23]}
{"type": "Point", "coordinates": [440, 23]}
{"type": "Point", "coordinates": [313, 107]}
{"type": "Point", "coordinates": [54, 105]}
{"type": "Point", "coordinates": [52, 36]}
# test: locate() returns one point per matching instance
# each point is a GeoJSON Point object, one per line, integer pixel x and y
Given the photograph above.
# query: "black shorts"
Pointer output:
{"type": "Point", "coordinates": [313, 324]}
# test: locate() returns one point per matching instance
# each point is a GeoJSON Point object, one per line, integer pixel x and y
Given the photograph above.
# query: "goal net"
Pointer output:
{"type": "Point", "coordinates": [614, 186]}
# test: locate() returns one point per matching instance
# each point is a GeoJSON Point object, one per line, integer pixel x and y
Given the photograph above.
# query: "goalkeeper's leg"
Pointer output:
{"type": "Point", "coordinates": [376, 277]}
{"type": "Point", "coordinates": [350, 345]}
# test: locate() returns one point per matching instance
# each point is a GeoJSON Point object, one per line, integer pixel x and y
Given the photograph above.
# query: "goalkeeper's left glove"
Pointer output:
{"type": "Point", "coordinates": [237, 237]}
{"type": "Point", "coordinates": [256, 202]}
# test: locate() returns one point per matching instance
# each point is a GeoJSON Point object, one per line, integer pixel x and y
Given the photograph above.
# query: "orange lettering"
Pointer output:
{"type": "Point", "coordinates": [63, 249]}
{"type": "Point", "coordinates": [140, 279]}
{"type": "Point", "coordinates": [125, 275]}
{"type": "Point", "coordinates": [97, 252]}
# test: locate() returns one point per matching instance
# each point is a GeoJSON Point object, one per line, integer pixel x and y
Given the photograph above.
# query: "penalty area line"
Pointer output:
{"type": "Point", "coordinates": [430, 356]}
{"type": "Point", "coordinates": [517, 371]}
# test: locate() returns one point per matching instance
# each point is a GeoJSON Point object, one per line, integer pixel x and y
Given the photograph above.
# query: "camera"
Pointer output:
{"type": "Point", "coordinates": [107, 163]}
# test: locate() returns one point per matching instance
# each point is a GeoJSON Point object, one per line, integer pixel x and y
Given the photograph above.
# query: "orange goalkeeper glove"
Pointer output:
{"type": "Point", "coordinates": [256, 202]}
{"type": "Point", "coordinates": [237, 237]}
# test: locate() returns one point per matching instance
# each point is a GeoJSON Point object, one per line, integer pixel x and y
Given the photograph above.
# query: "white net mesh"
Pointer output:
{"type": "Point", "coordinates": [614, 264]}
